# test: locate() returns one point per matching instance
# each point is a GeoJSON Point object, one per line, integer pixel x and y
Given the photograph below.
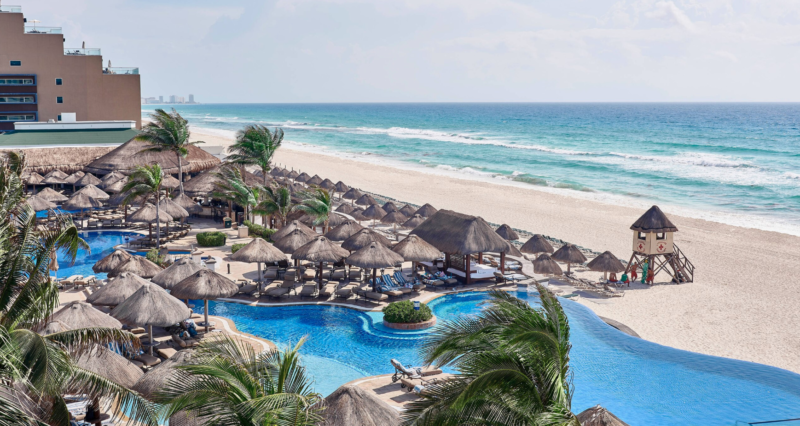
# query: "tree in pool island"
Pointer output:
{"type": "Point", "coordinates": [513, 363]}
{"type": "Point", "coordinates": [255, 145]}
{"type": "Point", "coordinates": [168, 131]}
{"type": "Point", "coordinates": [145, 182]}
{"type": "Point", "coordinates": [228, 383]}
{"type": "Point", "coordinates": [317, 204]}
{"type": "Point", "coordinates": [38, 364]}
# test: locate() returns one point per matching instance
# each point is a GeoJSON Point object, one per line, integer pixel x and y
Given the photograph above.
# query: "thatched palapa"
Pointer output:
{"type": "Point", "coordinates": [94, 192]}
{"type": "Point", "coordinates": [352, 194]}
{"type": "Point", "coordinates": [415, 249]}
{"type": "Point", "coordinates": [51, 195]}
{"type": "Point", "coordinates": [81, 201]}
{"type": "Point", "coordinates": [116, 368]}
{"type": "Point", "coordinates": [292, 241]}
{"type": "Point", "coordinates": [88, 179]}
{"type": "Point", "coordinates": [258, 251]}
{"type": "Point", "coordinates": [188, 204]}
{"type": "Point", "coordinates": [53, 180]}
{"type": "Point", "coordinates": [291, 226]}
{"type": "Point", "coordinates": [599, 416]}
{"type": "Point", "coordinates": [314, 180]}
{"type": "Point", "coordinates": [320, 249]}
{"type": "Point", "coordinates": [351, 405]}
{"type": "Point", "coordinates": [546, 266]}
{"type": "Point", "coordinates": [302, 177]}
{"type": "Point", "coordinates": [345, 208]}
{"type": "Point", "coordinates": [374, 212]}
{"type": "Point", "coordinates": [374, 255]}
{"type": "Point", "coordinates": [327, 185]}
{"type": "Point", "coordinates": [389, 207]}
{"type": "Point", "coordinates": [130, 155]}
{"type": "Point", "coordinates": [207, 285]}
{"type": "Point", "coordinates": [413, 222]}
{"type": "Point", "coordinates": [79, 314]}
{"type": "Point", "coordinates": [117, 290]}
{"type": "Point", "coordinates": [75, 177]}
{"type": "Point", "coordinates": [606, 262]}
{"type": "Point", "coordinates": [394, 217]}
{"type": "Point", "coordinates": [292, 175]}
{"type": "Point", "coordinates": [341, 187]}
{"type": "Point", "coordinates": [654, 220]}
{"type": "Point", "coordinates": [112, 177]}
{"type": "Point", "coordinates": [116, 187]}
{"type": "Point", "coordinates": [507, 233]}
{"type": "Point", "coordinates": [537, 244]}
{"type": "Point", "coordinates": [358, 215]}
{"type": "Point", "coordinates": [366, 200]}
{"type": "Point", "coordinates": [363, 238]}
{"type": "Point", "coordinates": [456, 233]}
{"type": "Point", "coordinates": [170, 182]}
{"type": "Point", "coordinates": [147, 214]}
{"type": "Point", "coordinates": [110, 262]}
{"type": "Point", "coordinates": [175, 273]}
{"type": "Point", "coordinates": [173, 209]}
{"type": "Point", "coordinates": [155, 379]}
{"type": "Point", "coordinates": [205, 183]}
{"type": "Point", "coordinates": [426, 211]}
{"type": "Point", "coordinates": [38, 203]}
{"type": "Point", "coordinates": [33, 178]}
{"type": "Point", "coordinates": [344, 230]}
{"type": "Point", "coordinates": [569, 254]}
{"type": "Point", "coordinates": [138, 265]}
{"type": "Point", "coordinates": [68, 159]}
{"type": "Point", "coordinates": [407, 210]}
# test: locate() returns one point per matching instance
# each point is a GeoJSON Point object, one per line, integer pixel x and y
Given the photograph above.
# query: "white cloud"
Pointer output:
{"type": "Point", "coordinates": [668, 11]}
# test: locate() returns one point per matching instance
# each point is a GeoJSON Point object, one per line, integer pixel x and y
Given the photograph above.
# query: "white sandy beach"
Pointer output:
{"type": "Point", "coordinates": [743, 303]}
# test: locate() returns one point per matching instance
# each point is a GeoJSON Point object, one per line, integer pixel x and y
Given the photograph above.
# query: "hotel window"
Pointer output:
{"type": "Point", "coordinates": [59, 117]}
{"type": "Point", "coordinates": [16, 63]}
{"type": "Point", "coordinates": [59, 100]}
{"type": "Point", "coordinates": [17, 117]}
{"type": "Point", "coordinates": [16, 100]}
{"type": "Point", "coordinates": [58, 82]}
{"type": "Point", "coordinates": [16, 81]}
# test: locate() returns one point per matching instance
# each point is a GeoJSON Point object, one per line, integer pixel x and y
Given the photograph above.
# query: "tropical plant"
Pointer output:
{"type": "Point", "coordinates": [259, 231]}
{"type": "Point", "coordinates": [154, 255]}
{"type": "Point", "coordinates": [404, 312]}
{"type": "Point", "coordinates": [36, 369]}
{"type": "Point", "coordinates": [276, 200]}
{"type": "Point", "coordinates": [228, 383]}
{"type": "Point", "coordinates": [168, 132]}
{"type": "Point", "coordinates": [317, 204]}
{"type": "Point", "coordinates": [211, 239]}
{"type": "Point", "coordinates": [237, 247]}
{"type": "Point", "coordinates": [145, 182]}
{"type": "Point", "coordinates": [255, 145]}
{"type": "Point", "coordinates": [232, 187]}
{"type": "Point", "coordinates": [513, 364]}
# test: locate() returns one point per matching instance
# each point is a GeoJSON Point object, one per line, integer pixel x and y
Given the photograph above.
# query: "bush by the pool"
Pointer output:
{"type": "Point", "coordinates": [236, 247]}
{"type": "Point", "coordinates": [211, 239]}
{"type": "Point", "coordinates": [403, 312]}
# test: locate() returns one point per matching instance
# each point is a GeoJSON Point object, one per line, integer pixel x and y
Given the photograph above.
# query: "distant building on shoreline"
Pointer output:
{"type": "Point", "coordinates": [173, 99]}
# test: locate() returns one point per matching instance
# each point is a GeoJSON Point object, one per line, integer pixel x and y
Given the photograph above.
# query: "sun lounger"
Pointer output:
{"type": "Point", "coordinates": [83, 282]}
{"type": "Point", "coordinates": [405, 371]}
{"type": "Point", "coordinates": [278, 292]}
{"type": "Point", "coordinates": [376, 296]}
{"type": "Point", "coordinates": [249, 289]}
{"type": "Point", "coordinates": [147, 360]}
{"type": "Point", "coordinates": [166, 352]}
{"type": "Point", "coordinates": [387, 281]}
{"type": "Point", "coordinates": [344, 293]}
{"type": "Point", "coordinates": [184, 343]}
{"type": "Point", "coordinates": [309, 290]}
{"type": "Point", "coordinates": [328, 290]}
{"type": "Point", "coordinates": [71, 280]}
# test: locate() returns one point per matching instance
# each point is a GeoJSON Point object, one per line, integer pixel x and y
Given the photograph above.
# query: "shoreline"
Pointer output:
{"type": "Point", "coordinates": [742, 304]}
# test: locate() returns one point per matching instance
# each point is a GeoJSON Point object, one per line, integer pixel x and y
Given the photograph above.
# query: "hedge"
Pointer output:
{"type": "Point", "coordinates": [154, 256]}
{"type": "Point", "coordinates": [403, 312]}
{"type": "Point", "coordinates": [236, 247]}
{"type": "Point", "coordinates": [258, 230]}
{"type": "Point", "coordinates": [211, 239]}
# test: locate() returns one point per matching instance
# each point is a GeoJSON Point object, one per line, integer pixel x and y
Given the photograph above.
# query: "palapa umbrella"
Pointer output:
{"type": "Point", "coordinates": [34, 179]}
{"type": "Point", "coordinates": [507, 233]}
{"type": "Point", "coordinates": [320, 250]}
{"type": "Point", "coordinates": [276, 172]}
{"type": "Point", "coordinates": [426, 211]}
{"type": "Point", "coordinates": [537, 244]}
{"type": "Point", "coordinates": [173, 209]}
{"type": "Point", "coordinates": [88, 179]}
{"type": "Point", "coordinates": [170, 182]}
{"type": "Point", "coordinates": [53, 266]}
{"type": "Point", "coordinates": [117, 290]}
{"type": "Point", "coordinates": [116, 187]}
{"type": "Point", "coordinates": [302, 177]}
{"type": "Point", "coordinates": [112, 177]}
{"type": "Point", "coordinates": [363, 238]}
{"type": "Point", "coordinates": [79, 314]}
{"type": "Point", "coordinates": [314, 180]}
{"type": "Point", "coordinates": [139, 265]}
{"type": "Point", "coordinates": [358, 215]}
{"type": "Point", "coordinates": [53, 327]}
{"type": "Point", "coordinates": [73, 178]}
{"type": "Point", "coordinates": [327, 185]}
{"type": "Point", "coordinates": [292, 242]}
{"type": "Point", "coordinates": [293, 175]}
{"type": "Point", "coordinates": [38, 203]}
{"type": "Point", "coordinates": [341, 187]}
{"type": "Point", "coordinates": [415, 249]}
{"type": "Point", "coordinates": [606, 263]}
{"type": "Point", "coordinates": [147, 214]}
{"type": "Point", "coordinates": [55, 175]}
{"type": "Point", "coordinates": [81, 201]}
{"type": "Point", "coordinates": [207, 285]}
{"type": "Point", "coordinates": [345, 208]}
{"type": "Point", "coordinates": [408, 210]}
{"type": "Point", "coordinates": [151, 306]}
{"type": "Point", "coordinates": [114, 367]}
{"type": "Point", "coordinates": [569, 254]}
{"type": "Point", "coordinates": [546, 266]}
{"type": "Point", "coordinates": [110, 262]}
{"type": "Point", "coordinates": [599, 416]}
{"type": "Point", "coordinates": [94, 192]}
{"type": "Point", "coordinates": [394, 218]}
{"type": "Point", "coordinates": [351, 405]}
{"type": "Point", "coordinates": [352, 194]}
{"type": "Point", "coordinates": [343, 231]}
{"type": "Point", "coordinates": [188, 204]}
{"type": "Point", "coordinates": [389, 207]}
{"type": "Point", "coordinates": [51, 195]}
{"type": "Point", "coordinates": [413, 222]}
{"type": "Point", "coordinates": [291, 226]}
{"type": "Point", "coordinates": [258, 251]}
{"type": "Point", "coordinates": [175, 273]}
{"type": "Point", "coordinates": [53, 180]}
{"type": "Point", "coordinates": [374, 256]}
{"type": "Point", "coordinates": [374, 212]}
{"type": "Point", "coordinates": [155, 379]}
{"type": "Point", "coordinates": [366, 200]}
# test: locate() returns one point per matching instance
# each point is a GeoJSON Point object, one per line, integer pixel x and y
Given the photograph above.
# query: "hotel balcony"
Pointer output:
{"type": "Point", "coordinates": [42, 30]}
{"type": "Point", "coordinates": [82, 52]}
{"type": "Point", "coordinates": [10, 9]}
{"type": "Point", "coordinates": [121, 71]}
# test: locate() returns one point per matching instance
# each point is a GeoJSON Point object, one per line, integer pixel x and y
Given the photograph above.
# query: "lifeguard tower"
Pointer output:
{"type": "Point", "coordinates": [653, 241]}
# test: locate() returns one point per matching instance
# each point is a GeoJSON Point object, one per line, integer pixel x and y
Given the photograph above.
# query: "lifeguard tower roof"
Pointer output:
{"type": "Point", "coordinates": [654, 220]}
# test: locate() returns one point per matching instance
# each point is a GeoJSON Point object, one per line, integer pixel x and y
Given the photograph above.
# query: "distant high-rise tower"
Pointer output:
{"type": "Point", "coordinates": [172, 99]}
{"type": "Point", "coordinates": [191, 99]}
{"type": "Point", "coordinates": [161, 99]}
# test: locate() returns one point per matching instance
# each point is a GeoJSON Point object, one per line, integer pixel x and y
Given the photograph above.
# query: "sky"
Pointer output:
{"type": "Point", "coordinates": [444, 50]}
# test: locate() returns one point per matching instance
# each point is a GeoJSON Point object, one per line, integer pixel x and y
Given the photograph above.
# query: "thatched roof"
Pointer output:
{"type": "Point", "coordinates": [291, 226]}
{"type": "Point", "coordinates": [366, 200]}
{"type": "Point", "coordinates": [258, 250]}
{"type": "Point", "coordinates": [79, 314]}
{"type": "Point", "coordinates": [292, 175]}
{"type": "Point", "coordinates": [117, 290]}
{"type": "Point", "coordinates": [81, 201]}
{"type": "Point", "coordinates": [358, 214]}
{"type": "Point", "coordinates": [116, 368]}
{"type": "Point", "coordinates": [302, 177]}
{"type": "Point", "coordinates": [336, 219]}
{"type": "Point", "coordinates": [291, 242]}
{"type": "Point", "coordinates": [341, 187]}
{"type": "Point", "coordinates": [58, 174]}
{"type": "Point", "coordinates": [108, 263]}
{"type": "Point", "coordinates": [394, 217]}
{"type": "Point", "coordinates": [599, 416]}
{"type": "Point", "coordinates": [53, 180]}
{"type": "Point", "coordinates": [426, 211]}
{"type": "Point", "coordinates": [170, 182]}
{"type": "Point", "coordinates": [276, 171]}
{"type": "Point", "coordinates": [187, 203]}
{"type": "Point", "coordinates": [327, 184]}
{"type": "Point", "coordinates": [314, 180]}
{"type": "Point", "coordinates": [414, 222]}
{"type": "Point", "coordinates": [606, 262]}
{"type": "Point", "coordinates": [116, 187]}
{"type": "Point", "coordinates": [546, 266]}
{"type": "Point", "coordinates": [175, 273]}
{"type": "Point", "coordinates": [374, 212]}
{"type": "Point", "coordinates": [507, 233]}
{"type": "Point", "coordinates": [53, 327]}
{"type": "Point", "coordinates": [457, 233]}
{"type": "Point", "coordinates": [112, 177]}
{"type": "Point", "coordinates": [654, 220]}
{"type": "Point", "coordinates": [569, 253]}
{"type": "Point", "coordinates": [33, 178]}
{"type": "Point", "coordinates": [66, 159]}
{"type": "Point", "coordinates": [151, 305]}
{"type": "Point", "coordinates": [320, 249]}
{"type": "Point", "coordinates": [138, 265]}
{"type": "Point", "coordinates": [38, 203]}
{"type": "Point", "coordinates": [374, 255]}
{"type": "Point", "coordinates": [512, 250]}
{"type": "Point", "coordinates": [51, 195]}
{"type": "Point", "coordinates": [147, 214]}
{"type": "Point", "coordinates": [126, 157]}
{"type": "Point", "coordinates": [415, 249]}
{"type": "Point", "coordinates": [173, 209]}
{"type": "Point", "coordinates": [351, 405]}
{"type": "Point", "coordinates": [537, 244]}
{"type": "Point", "coordinates": [74, 177]}
{"type": "Point", "coordinates": [345, 208]}
{"type": "Point", "coordinates": [205, 284]}
{"type": "Point", "coordinates": [389, 207]}
{"type": "Point", "coordinates": [94, 192]}
{"type": "Point", "coordinates": [352, 194]}
{"type": "Point", "coordinates": [363, 238]}
{"type": "Point", "coordinates": [343, 231]}
{"type": "Point", "coordinates": [158, 376]}
{"type": "Point", "coordinates": [88, 179]}
{"type": "Point", "coordinates": [407, 210]}
{"type": "Point", "coordinates": [205, 183]}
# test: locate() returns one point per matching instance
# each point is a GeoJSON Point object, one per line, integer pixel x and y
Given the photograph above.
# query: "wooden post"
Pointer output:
{"type": "Point", "coordinates": [503, 262]}
{"type": "Point", "coordinates": [205, 312]}
{"type": "Point", "coordinates": [468, 266]}
{"type": "Point", "coordinates": [374, 280]}
{"type": "Point", "coordinates": [320, 277]}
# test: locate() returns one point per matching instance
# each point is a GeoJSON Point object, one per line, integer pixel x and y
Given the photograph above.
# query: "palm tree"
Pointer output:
{"type": "Point", "coordinates": [35, 367]}
{"type": "Point", "coordinates": [255, 145]}
{"type": "Point", "coordinates": [146, 182]}
{"type": "Point", "coordinates": [229, 383]}
{"type": "Point", "coordinates": [232, 188]}
{"type": "Point", "coordinates": [317, 203]}
{"type": "Point", "coordinates": [168, 132]}
{"type": "Point", "coordinates": [513, 363]}
{"type": "Point", "coordinates": [276, 200]}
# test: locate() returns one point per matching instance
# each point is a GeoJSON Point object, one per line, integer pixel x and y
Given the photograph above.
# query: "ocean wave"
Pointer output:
{"type": "Point", "coordinates": [694, 159]}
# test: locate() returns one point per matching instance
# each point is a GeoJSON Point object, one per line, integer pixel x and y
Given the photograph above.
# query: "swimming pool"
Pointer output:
{"type": "Point", "coordinates": [101, 244]}
{"type": "Point", "coordinates": [641, 382]}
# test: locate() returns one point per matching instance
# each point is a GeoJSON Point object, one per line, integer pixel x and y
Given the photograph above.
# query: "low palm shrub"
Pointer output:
{"type": "Point", "coordinates": [258, 230]}
{"type": "Point", "coordinates": [236, 247]}
{"type": "Point", "coordinates": [211, 239]}
{"type": "Point", "coordinates": [404, 312]}
{"type": "Point", "coordinates": [154, 256]}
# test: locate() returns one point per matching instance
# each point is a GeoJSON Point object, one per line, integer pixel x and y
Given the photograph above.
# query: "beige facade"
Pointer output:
{"type": "Point", "coordinates": [87, 88]}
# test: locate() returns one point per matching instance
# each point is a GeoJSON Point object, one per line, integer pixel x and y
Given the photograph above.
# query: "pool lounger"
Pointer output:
{"type": "Point", "coordinates": [402, 371]}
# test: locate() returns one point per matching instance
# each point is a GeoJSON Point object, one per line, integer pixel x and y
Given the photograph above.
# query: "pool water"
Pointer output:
{"type": "Point", "coordinates": [641, 382]}
{"type": "Point", "coordinates": [101, 244]}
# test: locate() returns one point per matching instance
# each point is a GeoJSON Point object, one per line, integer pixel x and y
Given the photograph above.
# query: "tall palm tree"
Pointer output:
{"type": "Point", "coordinates": [318, 204]}
{"type": "Point", "coordinates": [232, 187]}
{"type": "Point", "coordinates": [34, 367]}
{"type": "Point", "coordinates": [228, 383]}
{"type": "Point", "coordinates": [145, 182]}
{"type": "Point", "coordinates": [168, 131]}
{"type": "Point", "coordinates": [513, 363]}
{"type": "Point", "coordinates": [255, 145]}
{"type": "Point", "coordinates": [276, 200]}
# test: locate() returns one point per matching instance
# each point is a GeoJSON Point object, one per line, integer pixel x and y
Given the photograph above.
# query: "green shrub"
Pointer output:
{"type": "Point", "coordinates": [211, 239]}
{"type": "Point", "coordinates": [236, 247]}
{"type": "Point", "coordinates": [403, 312]}
{"type": "Point", "coordinates": [258, 230]}
{"type": "Point", "coordinates": [153, 256]}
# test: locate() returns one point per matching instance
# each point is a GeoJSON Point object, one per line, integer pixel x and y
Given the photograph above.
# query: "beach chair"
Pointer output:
{"type": "Point", "coordinates": [405, 371]}
{"type": "Point", "coordinates": [85, 281]}
{"type": "Point", "coordinates": [309, 290]}
{"type": "Point", "coordinates": [387, 281]}
{"type": "Point", "coordinates": [71, 280]}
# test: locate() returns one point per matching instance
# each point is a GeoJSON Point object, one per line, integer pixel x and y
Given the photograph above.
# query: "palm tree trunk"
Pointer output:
{"type": "Point", "coordinates": [180, 171]}
{"type": "Point", "coordinates": [158, 220]}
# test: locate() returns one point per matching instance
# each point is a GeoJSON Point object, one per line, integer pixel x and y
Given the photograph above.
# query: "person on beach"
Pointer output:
{"type": "Point", "coordinates": [625, 279]}
{"type": "Point", "coordinates": [645, 267]}
{"type": "Point", "coordinates": [612, 277]}
{"type": "Point", "coordinates": [650, 277]}
{"type": "Point", "coordinates": [634, 274]}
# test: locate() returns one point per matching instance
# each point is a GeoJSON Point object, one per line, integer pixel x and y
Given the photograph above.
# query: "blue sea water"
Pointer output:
{"type": "Point", "coordinates": [641, 382]}
{"type": "Point", "coordinates": [733, 163]}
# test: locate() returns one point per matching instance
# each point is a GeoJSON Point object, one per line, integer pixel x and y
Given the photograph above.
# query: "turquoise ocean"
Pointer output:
{"type": "Point", "coordinates": [731, 163]}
